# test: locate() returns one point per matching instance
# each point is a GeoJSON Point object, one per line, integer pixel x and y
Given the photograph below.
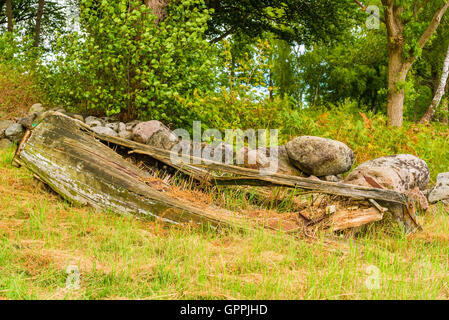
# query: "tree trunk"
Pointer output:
{"type": "Point", "coordinates": [439, 93]}
{"type": "Point", "coordinates": [9, 15]}
{"type": "Point", "coordinates": [40, 11]}
{"type": "Point", "coordinates": [397, 73]}
{"type": "Point", "coordinates": [158, 7]}
{"type": "Point", "coordinates": [398, 66]}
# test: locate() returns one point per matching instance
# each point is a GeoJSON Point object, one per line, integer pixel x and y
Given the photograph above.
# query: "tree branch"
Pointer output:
{"type": "Point", "coordinates": [425, 37]}
{"type": "Point", "coordinates": [416, 9]}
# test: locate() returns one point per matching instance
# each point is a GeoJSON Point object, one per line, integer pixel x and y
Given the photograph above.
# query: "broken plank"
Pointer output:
{"type": "Point", "coordinates": [348, 219]}
{"type": "Point", "coordinates": [246, 176]}
{"type": "Point", "coordinates": [254, 177]}
{"type": "Point", "coordinates": [67, 157]}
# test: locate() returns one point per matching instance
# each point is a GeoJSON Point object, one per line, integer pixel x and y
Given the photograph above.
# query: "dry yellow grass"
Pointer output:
{"type": "Point", "coordinates": [125, 258]}
{"type": "Point", "coordinates": [18, 92]}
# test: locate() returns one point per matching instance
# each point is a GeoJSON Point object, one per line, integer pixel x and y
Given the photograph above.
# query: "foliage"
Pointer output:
{"type": "Point", "coordinates": [284, 73]}
{"type": "Point", "coordinates": [355, 68]}
{"type": "Point", "coordinates": [18, 51]}
{"type": "Point", "coordinates": [240, 101]}
{"type": "Point", "coordinates": [18, 91]}
{"type": "Point", "coordinates": [369, 134]}
{"type": "Point", "coordinates": [24, 12]}
{"type": "Point", "coordinates": [19, 75]}
{"type": "Point", "coordinates": [299, 21]}
{"type": "Point", "coordinates": [124, 63]}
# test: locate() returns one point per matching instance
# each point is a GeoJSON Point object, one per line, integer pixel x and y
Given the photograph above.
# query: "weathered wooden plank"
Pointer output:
{"type": "Point", "coordinates": [243, 175]}
{"type": "Point", "coordinates": [398, 203]}
{"type": "Point", "coordinates": [66, 155]}
{"type": "Point", "coordinates": [347, 219]}
{"type": "Point", "coordinates": [68, 158]}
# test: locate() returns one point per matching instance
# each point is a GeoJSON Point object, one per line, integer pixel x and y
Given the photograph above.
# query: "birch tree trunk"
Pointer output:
{"type": "Point", "coordinates": [439, 93]}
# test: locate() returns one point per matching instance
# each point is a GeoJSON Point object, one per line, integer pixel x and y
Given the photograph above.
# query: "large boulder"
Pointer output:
{"type": "Point", "coordinates": [320, 156]}
{"type": "Point", "coordinates": [4, 124]}
{"type": "Point", "coordinates": [154, 133]}
{"type": "Point", "coordinates": [441, 189]}
{"type": "Point", "coordinates": [114, 126]}
{"type": "Point", "coordinates": [402, 172]}
{"type": "Point", "coordinates": [15, 132]}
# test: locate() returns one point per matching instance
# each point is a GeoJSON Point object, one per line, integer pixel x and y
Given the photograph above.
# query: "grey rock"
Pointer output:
{"type": "Point", "coordinates": [109, 119]}
{"type": "Point", "coordinates": [218, 152]}
{"type": "Point", "coordinates": [320, 156]}
{"type": "Point", "coordinates": [337, 178]}
{"type": "Point", "coordinates": [122, 127]}
{"type": "Point", "coordinates": [273, 160]}
{"type": "Point", "coordinates": [154, 133]}
{"type": "Point", "coordinates": [94, 122]}
{"type": "Point", "coordinates": [4, 124]}
{"type": "Point", "coordinates": [15, 132]}
{"type": "Point", "coordinates": [28, 121]}
{"type": "Point", "coordinates": [130, 125]}
{"type": "Point", "coordinates": [189, 149]}
{"type": "Point", "coordinates": [36, 108]}
{"type": "Point", "coordinates": [252, 158]}
{"type": "Point", "coordinates": [441, 189]}
{"type": "Point", "coordinates": [284, 165]}
{"type": "Point", "coordinates": [403, 173]}
{"type": "Point", "coordinates": [104, 130]}
{"type": "Point", "coordinates": [5, 144]}
{"type": "Point", "coordinates": [114, 126]}
{"type": "Point", "coordinates": [126, 134]}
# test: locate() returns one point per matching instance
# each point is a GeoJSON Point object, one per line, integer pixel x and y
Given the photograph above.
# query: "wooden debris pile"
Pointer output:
{"type": "Point", "coordinates": [83, 167]}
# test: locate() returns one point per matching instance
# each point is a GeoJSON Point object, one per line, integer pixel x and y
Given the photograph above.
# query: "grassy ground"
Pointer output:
{"type": "Point", "coordinates": [42, 237]}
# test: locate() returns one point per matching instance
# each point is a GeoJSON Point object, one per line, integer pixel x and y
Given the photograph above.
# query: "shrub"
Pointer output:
{"type": "Point", "coordinates": [18, 91]}
{"type": "Point", "coordinates": [123, 62]}
{"type": "Point", "coordinates": [19, 83]}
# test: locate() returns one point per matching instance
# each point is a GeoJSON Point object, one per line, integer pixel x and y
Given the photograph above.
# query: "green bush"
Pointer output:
{"type": "Point", "coordinates": [17, 51]}
{"type": "Point", "coordinates": [123, 62]}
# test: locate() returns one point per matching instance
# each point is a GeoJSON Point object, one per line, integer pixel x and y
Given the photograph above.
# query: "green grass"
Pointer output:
{"type": "Point", "coordinates": [119, 257]}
